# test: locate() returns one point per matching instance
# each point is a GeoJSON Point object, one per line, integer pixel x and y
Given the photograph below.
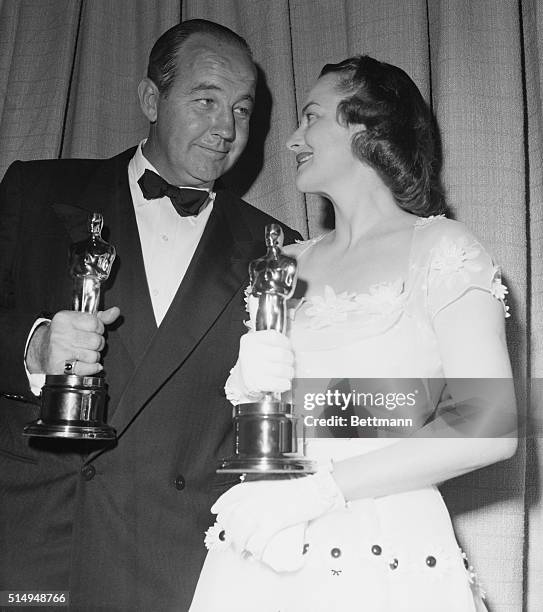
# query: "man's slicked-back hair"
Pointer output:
{"type": "Point", "coordinates": [400, 140]}
{"type": "Point", "coordinates": [163, 57]}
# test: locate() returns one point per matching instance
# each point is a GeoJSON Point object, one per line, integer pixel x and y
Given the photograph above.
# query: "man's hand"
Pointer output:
{"type": "Point", "coordinates": [70, 336]}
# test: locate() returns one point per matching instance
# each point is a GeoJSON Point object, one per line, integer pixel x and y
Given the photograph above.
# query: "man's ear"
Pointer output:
{"type": "Point", "coordinates": [148, 95]}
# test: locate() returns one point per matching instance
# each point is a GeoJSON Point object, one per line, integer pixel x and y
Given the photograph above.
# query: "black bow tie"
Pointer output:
{"type": "Point", "coordinates": [187, 201]}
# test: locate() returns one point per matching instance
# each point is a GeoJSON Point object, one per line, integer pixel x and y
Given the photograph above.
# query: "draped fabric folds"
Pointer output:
{"type": "Point", "coordinates": [69, 70]}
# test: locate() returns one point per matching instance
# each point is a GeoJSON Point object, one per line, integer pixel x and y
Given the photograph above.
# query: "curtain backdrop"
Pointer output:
{"type": "Point", "coordinates": [69, 70]}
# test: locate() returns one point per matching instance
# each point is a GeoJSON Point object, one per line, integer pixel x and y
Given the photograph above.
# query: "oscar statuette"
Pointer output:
{"type": "Point", "coordinates": [73, 406]}
{"type": "Point", "coordinates": [265, 440]}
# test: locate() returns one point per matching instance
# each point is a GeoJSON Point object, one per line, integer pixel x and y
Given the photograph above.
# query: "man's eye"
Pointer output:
{"type": "Point", "coordinates": [243, 111]}
{"type": "Point", "coordinates": [205, 102]}
{"type": "Point", "coordinates": [310, 117]}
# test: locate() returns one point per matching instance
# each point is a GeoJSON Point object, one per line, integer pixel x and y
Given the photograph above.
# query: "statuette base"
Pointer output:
{"type": "Point", "coordinates": [40, 429]}
{"type": "Point", "coordinates": [267, 465]}
{"type": "Point", "coordinates": [72, 407]}
{"type": "Point", "coordinates": [265, 441]}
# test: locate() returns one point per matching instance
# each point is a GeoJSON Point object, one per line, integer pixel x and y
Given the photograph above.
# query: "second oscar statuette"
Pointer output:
{"type": "Point", "coordinates": [265, 440]}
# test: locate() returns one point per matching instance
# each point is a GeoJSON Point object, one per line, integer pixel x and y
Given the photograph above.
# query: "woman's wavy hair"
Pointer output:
{"type": "Point", "coordinates": [400, 141]}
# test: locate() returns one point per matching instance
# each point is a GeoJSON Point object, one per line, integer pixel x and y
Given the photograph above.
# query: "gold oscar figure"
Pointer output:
{"type": "Point", "coordinates": [73, 406]}
{"type": "Point", "coordinates": [265, 440]}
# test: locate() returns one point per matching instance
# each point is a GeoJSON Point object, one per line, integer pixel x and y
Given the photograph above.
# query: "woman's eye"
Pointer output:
{"type": "Point", "coordinates": [205, 102]}
{"type": "Point", "coordinates": [310, 117]}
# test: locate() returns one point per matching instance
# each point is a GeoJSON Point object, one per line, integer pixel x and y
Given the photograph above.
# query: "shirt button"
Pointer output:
{"type": "Point", "coordinates": [88, 472]}
{"type": "Point", "coordinates": [155, 291]}
{"type": "Point", "coordinates": [164, 238]}
{"type": "Point", "coordinates": [179, 482]}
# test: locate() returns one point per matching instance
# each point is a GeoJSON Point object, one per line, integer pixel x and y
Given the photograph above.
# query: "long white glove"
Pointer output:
{"type": "Point", "coordinates": [251, 513]}
{"type": "Point", "coordinates": [265, 364]}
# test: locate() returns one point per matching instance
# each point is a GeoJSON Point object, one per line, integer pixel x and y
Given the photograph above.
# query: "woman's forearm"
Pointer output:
{"type": "Point", "coordinates": [415, 463]}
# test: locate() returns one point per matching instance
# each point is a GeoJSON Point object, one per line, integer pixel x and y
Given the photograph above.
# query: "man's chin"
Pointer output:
{"type": "Point", "coordinates": [208, 177]}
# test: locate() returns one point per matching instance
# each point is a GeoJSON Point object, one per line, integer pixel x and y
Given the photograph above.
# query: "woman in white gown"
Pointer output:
{"type": "Point", "coordinates": [395, 291]}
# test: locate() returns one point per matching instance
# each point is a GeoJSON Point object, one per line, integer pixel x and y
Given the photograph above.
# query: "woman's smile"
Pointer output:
{"type": "Point", "coordinates": [303, 157]}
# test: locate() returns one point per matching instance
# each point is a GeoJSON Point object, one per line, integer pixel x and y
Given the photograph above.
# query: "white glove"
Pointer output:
{"type": "Point", "coordinates": [265, 364]}
{"type": "Point", "coordinates": [252, 513]}
{"type": "Point", "coordinates": [285, 550]}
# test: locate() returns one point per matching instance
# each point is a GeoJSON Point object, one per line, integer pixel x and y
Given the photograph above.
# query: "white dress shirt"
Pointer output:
{"type": "Point", "coordinates": [168, 242]}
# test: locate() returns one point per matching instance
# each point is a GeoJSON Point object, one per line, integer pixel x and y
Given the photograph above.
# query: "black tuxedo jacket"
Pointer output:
{"type": "Point", "coordinates": [120, 527]}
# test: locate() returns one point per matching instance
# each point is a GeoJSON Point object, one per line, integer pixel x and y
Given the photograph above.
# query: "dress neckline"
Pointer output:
{"type": "Point", "coordinates": [372, 290]}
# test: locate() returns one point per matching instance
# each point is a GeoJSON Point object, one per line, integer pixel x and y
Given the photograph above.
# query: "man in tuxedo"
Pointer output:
{"type": "Point", "coordinates": [121, 525]}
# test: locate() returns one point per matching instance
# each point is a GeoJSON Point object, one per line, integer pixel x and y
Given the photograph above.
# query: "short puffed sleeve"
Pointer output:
{"type": "Point", "coordinates": [457, 263]}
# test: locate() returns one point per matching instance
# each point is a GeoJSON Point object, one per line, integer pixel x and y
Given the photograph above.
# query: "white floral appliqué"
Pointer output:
{"type": "Point", "coordinates": [330, 308]}
{"type": "Point", "coordinates": [455, 260]}
{"type": "Point", "coordinates": [476, 585]}
{"type": "Point", "coordinates": [251, 305]}
{"type": "Point", "coordinates": [499, 290]}
{"type": "Point", "coordinates": [215, 538]}
{"type": "Point", "coordinates": [382, 298]}
{"type": "Point", "coordinates": [422, 221]}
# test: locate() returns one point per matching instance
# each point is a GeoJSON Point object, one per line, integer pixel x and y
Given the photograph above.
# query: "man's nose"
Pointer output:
{"type": "Point", "coordinates": [296, 139]}
{"type": "Point", "coordinates": [225, 126]}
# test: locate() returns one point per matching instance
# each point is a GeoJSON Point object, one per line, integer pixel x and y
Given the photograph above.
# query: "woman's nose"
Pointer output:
{"type": "Point", "coordinates": [295, 140]}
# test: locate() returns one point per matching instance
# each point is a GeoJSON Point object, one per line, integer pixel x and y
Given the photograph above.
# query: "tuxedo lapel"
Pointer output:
{"type": "Point", "coordinates": [216, 272]}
